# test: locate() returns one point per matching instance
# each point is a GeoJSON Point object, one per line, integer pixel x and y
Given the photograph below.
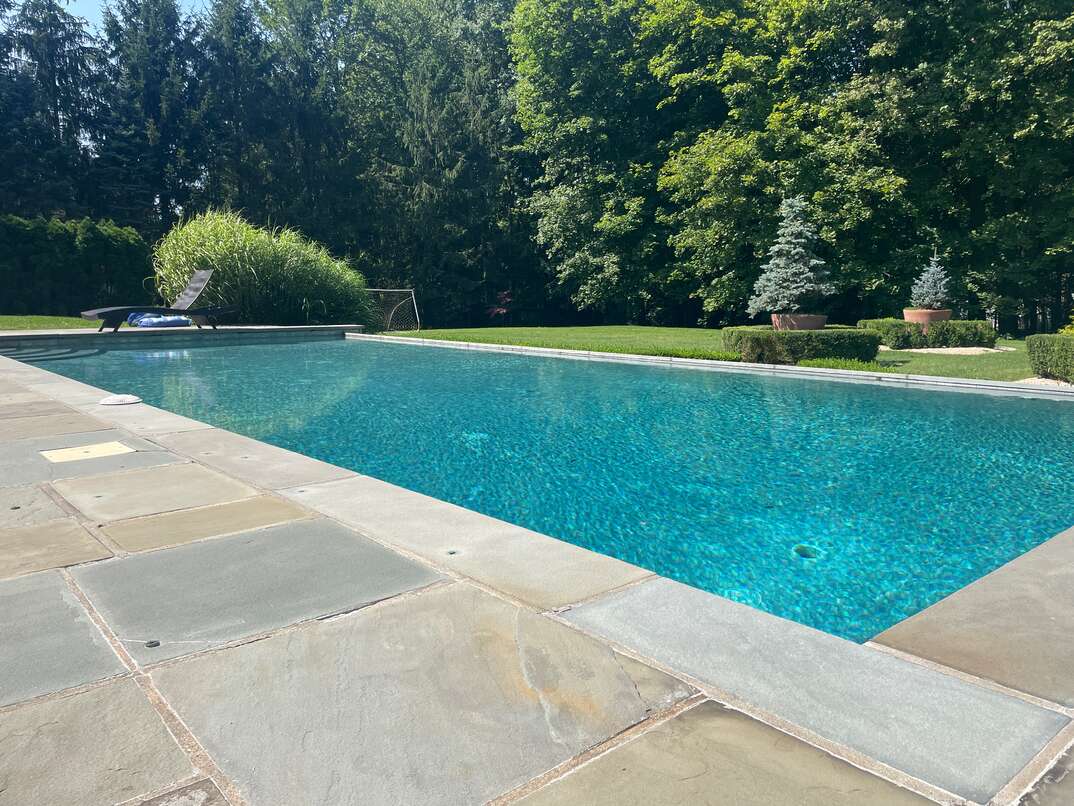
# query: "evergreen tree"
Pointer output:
{"type": "Point", "coordinates": [794, 276]}
{"type": "Point", "coordinates": [146, 140]}
{"type": "Point", "coordinates": [237, 112]}
{"type": "Point", "coordinates": [45, 87]}
{"type": "Point", "coordinates": [930, 288]}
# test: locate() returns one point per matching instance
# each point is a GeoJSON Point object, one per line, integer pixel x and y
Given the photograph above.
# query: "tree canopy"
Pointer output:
{"type": "Point", "coordinates": [587, 160]}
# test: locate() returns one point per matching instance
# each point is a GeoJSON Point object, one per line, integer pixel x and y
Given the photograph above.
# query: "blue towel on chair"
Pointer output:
{"type": "Point", "coordinates": [157, 320]}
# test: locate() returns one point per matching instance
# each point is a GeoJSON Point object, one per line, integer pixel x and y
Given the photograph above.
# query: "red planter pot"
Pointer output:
{"type": "Point", "coordinates": [798, 321]}
{"type": "Point", "coordinates": [926, 316]}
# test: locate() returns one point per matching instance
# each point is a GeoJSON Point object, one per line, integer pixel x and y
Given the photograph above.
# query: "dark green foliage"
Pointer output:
{"type": "Point", "coordinates": [899, 334]}
{"type": "Point", "coordinates": [847, 363]}
{"type": "Point", "coordinates": [50, 266]}
{"type": "Point", "coordinates": [587, 160]}
{"type": "Point", "coordinates": [1052, 356]}
{"type": "Point", "coordinates": [763, 345]}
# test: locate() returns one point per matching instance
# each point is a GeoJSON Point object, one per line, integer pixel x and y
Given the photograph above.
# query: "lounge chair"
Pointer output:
{"type": "Point", "coordinates": [114, 317]}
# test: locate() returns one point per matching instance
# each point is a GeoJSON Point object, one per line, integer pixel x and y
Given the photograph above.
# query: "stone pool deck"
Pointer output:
{"type": "Point", "coordinates": [189, 616]}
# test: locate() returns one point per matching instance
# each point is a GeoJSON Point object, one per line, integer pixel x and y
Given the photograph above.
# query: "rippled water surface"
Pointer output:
{"type": "Point", "coordinates": [846, 507]}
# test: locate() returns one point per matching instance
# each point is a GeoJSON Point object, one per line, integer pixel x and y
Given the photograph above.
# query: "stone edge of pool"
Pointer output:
{"type": "Point", "coordinates": [910, 718]}
{"type": "Point", "coordinates": [780, 370]}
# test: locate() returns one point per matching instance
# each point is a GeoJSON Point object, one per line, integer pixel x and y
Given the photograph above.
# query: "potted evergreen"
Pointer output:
{"type": "Point", "coordinates": [928, 295]}
{"type": "Point", "coordinates": [794, 278]}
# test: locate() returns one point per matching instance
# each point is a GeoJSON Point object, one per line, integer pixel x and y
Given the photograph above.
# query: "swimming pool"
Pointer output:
{"type": "Point", "coordinates": [847, 507]}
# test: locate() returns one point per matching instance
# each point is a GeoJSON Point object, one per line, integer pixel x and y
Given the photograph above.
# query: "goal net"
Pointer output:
{"type": "Point", "coordinates": [398, 308]}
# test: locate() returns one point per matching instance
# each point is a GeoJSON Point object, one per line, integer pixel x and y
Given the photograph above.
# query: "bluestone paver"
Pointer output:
{"type": "Point", "coordinates": [50, 544]}
{"type": "Point", "coordinates": [35, 408]}
{"type": "Point", "coordinates": [47, 641]}
{"type": "Point", "coordinates": [534, 568]}
{"type": "Point", "coordinates": [47, 425]}
{"type": "Point", "coordinates": [447, 697]}
{"type": "Point", "coordinates": [148, 491]}
{"type": "Point", "coordinates": [203, 594]}
{"type": "Point", "coordinates": [101, 746]}
{"type": "Point", "coordinates": [200, 793]}
{"type": "Point", "coordinates": [24, 506]}
{"type": "Point", "coordinates": [185, 525]}
{"type": "Point", "coordinates": [1056, 787]}
{"type": "Point", "coordinates": [22, 462]}
{"type": "Point", "coordinates": [713, 756]}
{"type": "Point", "coordinates": [954, 735]}
{"type": "Point", "coordinates": [253, 461]}
{"type": "Point", "coordinates": [1013, 626]}
{"type": "Point", "coordinates": [141, 418]}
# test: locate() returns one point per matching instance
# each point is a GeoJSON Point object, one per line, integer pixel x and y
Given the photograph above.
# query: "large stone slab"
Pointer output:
{"type": "Point", "coordinates": [200, 793]}
{"type": "Point", "coordinates": [960, 737]}
{"type": "Point", "coordinates": [141, 418]}
{"type": "Point", "coordinates": [248, 459]}
{"type": "Point", "coordinates": [31, 408]}
{"type": "Point", "coordinates": [1013, 626]}
{"type": "Point", "coordinates": [449, 697]}
{"type": "Point", "coordinates": [22, 462]}
{"type": "Point", "coordinates": [47, 642]}
{"type": "Point", "coordinates": [186, 525]}
{"type": "Point", "coordinates": [149, 491]}
{"type": "Point", "coordinates": [1056, 787]}
{"type": "Point", "coordinates": [102, 746]}
{"type": "Point", "coordinates": [52, 544]}
{"type": "Point", "coordinates": [24, 506]}
{"type": "Point", "coordinates": [534, 568]}
{"type": "Point", "coordinates": [47, 425]}
{"type": "Point", "coordinates": [204, 594]}
{"type": "Point", "coordinates": [713, 755]}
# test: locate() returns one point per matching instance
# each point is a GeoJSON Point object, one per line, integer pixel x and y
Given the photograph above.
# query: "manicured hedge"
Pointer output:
{"type": "Point", "coordinates": [58, 268]}
{"type": "Point", "coordinates": [275, 277]}
{"type": "Point", "coordinates": [847, 363]}
{"type": "Point", "coordinates": [1052, 356]}
{"type": "Point", "coordinates": [767, 346]}
{"type": "Point", "coordinates": [899, 334]}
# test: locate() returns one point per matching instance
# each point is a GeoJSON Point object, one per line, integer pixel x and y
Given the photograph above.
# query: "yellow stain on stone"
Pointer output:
{"type": "Point", "coordinates": [94, 451]}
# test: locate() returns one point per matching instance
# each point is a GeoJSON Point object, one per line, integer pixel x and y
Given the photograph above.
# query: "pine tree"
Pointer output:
{"type": "Point", "coordinates": [793, 276]}
{"type": "Point", "coordinates": [930, 288]}
{"type": "Point", "coordinates": [45, 88]}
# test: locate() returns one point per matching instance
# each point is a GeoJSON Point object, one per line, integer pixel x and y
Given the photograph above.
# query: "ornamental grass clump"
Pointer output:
{"type": "Point", "coordinates": [274, 277]}
{"type": "Point", "coordinates": [794, 277]}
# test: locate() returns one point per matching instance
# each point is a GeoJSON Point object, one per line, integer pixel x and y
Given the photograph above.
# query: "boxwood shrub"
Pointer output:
{"type": "Point", "coordinates": [1052, 356]}
{"type": "Point", "coordinates": [848, 363]}
{"type": "Point", "coordinates": [275, 277]}
{"type": "Point", "coordinates": [899, 334]}
{"type": "Point", "coordinates": [764, 345]}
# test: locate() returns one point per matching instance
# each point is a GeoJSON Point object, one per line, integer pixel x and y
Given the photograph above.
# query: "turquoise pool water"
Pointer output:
{"type": "Point", "coordinates": [842, 506]}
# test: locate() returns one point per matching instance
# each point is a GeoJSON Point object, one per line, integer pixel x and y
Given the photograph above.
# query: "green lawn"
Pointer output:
{"type": "Point", "coordinates": [702, 343]}
{"type": "Point", "coordinates": [41, 322]}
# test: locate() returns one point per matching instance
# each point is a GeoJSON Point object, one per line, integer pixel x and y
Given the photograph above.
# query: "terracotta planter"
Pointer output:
{"type": "Point", "coordinates": [926, 316]}
{"type": "Point", "coordinates": [798, 321]}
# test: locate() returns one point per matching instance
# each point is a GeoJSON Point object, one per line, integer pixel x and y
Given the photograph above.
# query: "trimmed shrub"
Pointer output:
{"type": "Point", "coordinates": [899, 334]}
{"type": "Point", "coordinates": [763, 345]}
{"type": "Point", "coordinates": [274, 277]}
{"type": "Point", "coordinates": [847, 363]}
{"type": "Point", "coordinates": [58, 268]}
{"type": "Point", "coordinates": [1052, 356]}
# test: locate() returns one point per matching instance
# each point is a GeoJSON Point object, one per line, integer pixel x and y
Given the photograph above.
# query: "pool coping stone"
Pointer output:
{"type": "Point", "coordinates": [935, 382]}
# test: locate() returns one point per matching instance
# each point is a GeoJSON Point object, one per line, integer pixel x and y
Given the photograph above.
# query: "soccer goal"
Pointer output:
{"type": "Point", "coordinates": [398, 308]}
